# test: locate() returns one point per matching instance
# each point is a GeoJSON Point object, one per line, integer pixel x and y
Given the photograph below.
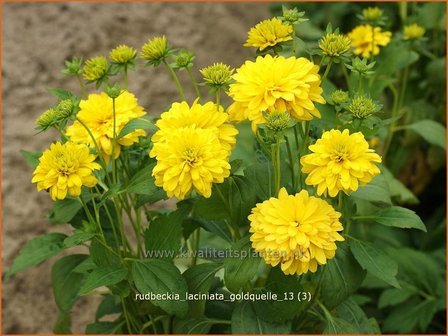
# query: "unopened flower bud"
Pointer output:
{"type": "Point", "coordinates": [155, 50]}
{"type": "Point", "coordinates": [362, 107]}
{"type": "Point", "coordinates": [334, 45]}
{"type": "Point", "coordinates": [278, 121]}
{"type": "Point", "coordinates": [339, 97]}
{"type": "Point", "coordinates": [122, 54]}
{"type": "Point", "coordinates": [95, 68]}
{"type": "Point", "coordinates": [217, 75]}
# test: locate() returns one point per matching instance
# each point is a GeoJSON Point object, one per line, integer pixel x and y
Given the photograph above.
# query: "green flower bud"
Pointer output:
{"type": "Point", "coordinates": [65, 108]}
{"type": "Point", "coordinates": [122, 54]}
{"type": "Point", "coordinates": [73, 67]}
{"type": "Point", "coordinates": [217, 75]}
{"type": "Point", "coordinates": [334, 45]}
{"type": "Point", "coordinates": [292, 16]}
{"type": "Point", "coordinates": [278, 121]}
{"type": "Point", "coordinates": [339, 97]}
{"type": "Point", "coordinates": [47, 119]}
{"type": "Point", "coordinates": [372, 13]}
{"type": "Point", "coordinates": [183, 59]}
{"type": "Point", "coordinates": [361, 67]}
{"type": "Point", "coordinates": [95, 68]}
{"type": "Point", "coordinates": [155, 50]}
{"type": "Point", "coordinates": [113, 91]}
{"type": "Point", "coordinates": [362, 107]}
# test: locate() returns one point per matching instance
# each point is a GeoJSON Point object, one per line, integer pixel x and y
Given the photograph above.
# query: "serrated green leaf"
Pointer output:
{"type": "Point", "coordinates": [161, 277]}
{"type": "Point", "coordinates": [376, 191]}
{"type": "Point", "coordinates": [66, 283]}
{"type": "Point", "coordinates": [340, 278]}
{"type": "Point", "coordinates": [135, 124]}
{"type": "Point", "coordinates": [394, 296]}
{"type": "Point", "coordinates": [375, 261]}
{"type": "Point", "coordinates": [36, 251]}
{"type": "Point", "coordinates": [63, 211]}
{"type": "Point", "coordinates": [77, 238]}
{"type": "Point", "coordinates": [105, 328]}
{"type": "Point", "coordinates": [103, 276]}
{"type": "Point", "coordinates": [199, 279]}
{"type": "Point", "coordinates": [335, 326]}
{"type": "Point", "coordinates": [194, 326]}
{"type": "Point", "coordinates": [240, 268]}
{"type": "Point", "coordinates": [431, 131]}
{"type": "Point", "coordinates": [246, 321]}
{"type": "Point", "coordinates": [396, 216]}
{"type": "Point", "coordinates": [31, 157]}
{"type": "Point", "coordinates": [109, 305]}
{"type": "Point", "coordinates": [351, 312]}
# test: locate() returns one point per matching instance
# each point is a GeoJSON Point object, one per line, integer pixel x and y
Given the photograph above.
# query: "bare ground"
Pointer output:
{"type": "Point", "coordinates": [37, 38]}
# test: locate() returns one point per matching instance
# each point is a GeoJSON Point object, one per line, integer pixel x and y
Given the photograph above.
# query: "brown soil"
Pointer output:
{"type": "Point", "coordinates": [37, 38]}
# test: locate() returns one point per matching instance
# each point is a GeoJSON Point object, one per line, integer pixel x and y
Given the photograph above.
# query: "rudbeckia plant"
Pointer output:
{"type": "Point", "coordinates": [270, 201]}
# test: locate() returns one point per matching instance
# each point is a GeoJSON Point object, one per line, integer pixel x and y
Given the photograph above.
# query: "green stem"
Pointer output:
{"type": "Point", "coordinates": [114, 143]}
{"type": "Point", "coordinates": [218, 97]}
{"type": "Point", "coordinates": [125, 77]}
{"type": "Point", "coordinates": [345, 73]}
{"type": "Point", "coordinates": [196, 246]}
{"type": "Point", "coordinates": [195, 85]}
{"type": "Point", "coordinates": [275, 152]}
{"type": "Point", "coordinates": [360, 85]}
{"type": "Point", "coordinates": [291, 163]}
{"type": "Point", "coordinates": [128, 324]}
{"type": "Point", "coordinates": [390, 132]}
{"type": "Point", "coordinates": [176, 80]}
{"type": "Point", "coordinates": [82, 85]}
{"type": "Point", "coordinates": [327, 70]}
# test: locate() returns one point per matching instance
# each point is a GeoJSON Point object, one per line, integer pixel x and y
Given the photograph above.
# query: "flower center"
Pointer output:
{"type": "Point", "coordinates": [190, 156]}
{"type": "Point", "coordinates": [340, 154]}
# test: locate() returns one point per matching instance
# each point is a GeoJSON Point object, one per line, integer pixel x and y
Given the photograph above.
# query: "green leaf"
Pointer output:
{"type": "Point", "coordinates": [397, 189]}
{"type": "Point", "coordinates": [396, 216]}
{"type": "Point", "coordinates": [431, 131]}
{"type": "Point", "coordinates": [199, 279]}
{"type": "Point", "coordinates": [36, 251]}
{"type": "Point", "coordinates": [61, 94]}
{"type": "Point", "coordinates": [86, 266]}
{"type": "Point", "coordinates": [135, 124]}
{"type": "Point", "coordinates": [340, 278]}
{"type": "Point", "coordinates": [77, 238]}
{"type": "Point", "coordinates": [63, 211]}
{"type": "Point", "coordinates": [143, 183]}
{"type": "Point", "coordinates": [101, 255]}
{"type": "Point", "coordinates": [375, 191]}
{"type": "Point", "coordinates": [161, 277]}
{"type": "Point", "coordinates": [350, 311]}
{"type": "Point", "coordinates": [405, 318]}
{"type": "Point", "coordinates": [31, 157]}
{"type": "Point", "coordinates": [217, 227]}
{"type": "Point", "coordinates": [66, 283]}
{"type": "Point", "coordinates": [63, 324]}
{"type": "Point", "coordinates": [388, 62]}
{"type": "Point", "coordinates": [241, 267]}
{"type": "Point", "coordinates": [164, 234]}
{"type": "Point", "coordinates": [110, 305]}
{"type": "Point", "coordinates": [105, 328]}
{"type": "Point", "coordinates": [335, 326]}
{"type": "Point", "coordinates": [246, 321]}
{"type": "Point", "coordinates": [261, 176]}
{"type": "Point", "coordinates": [375, 261]}
{"type": "Point", "coordinates": [191, 326]}
{"type": "Point", "coordinates": [103, 276]}
{"type": "Point", "coordinates": [233, 200]}
{"type": "Point", "coordinates": [394, 296]}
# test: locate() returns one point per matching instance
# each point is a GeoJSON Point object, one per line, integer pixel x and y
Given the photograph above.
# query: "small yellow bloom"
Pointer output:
{"type": "Point", "coordinates": [334, 45]}
{"type": "Point", "coordinates": [95, 68]}
{"type": "Point", "coordinates": [340, 162]}
{"type": "Point", "coordinates": [122, 54]}
{"type": "Point", "coordinates": [275, 84]}
{"type": "Point", "coordinates": [268, 33]}
{"type": "Point", "coordinates": [207, 116]}
{"type": "Point", "coordinates": [413, 31]}
{"type": "Point", "coordinates": [64, 169]}
{"type": "Point", "coordinates": [97, 114]}
{"type": "Point", "coordinates": [190, 158]}
{"type": "Point", "coordinates": [372, 13]}
{"type": "Point", "coordinates": [155, 50]}
{"type": "Point", "coordinates": [217, 75]}
{"type": "Point", "coordinates": [296, 231]}
{"type": "Point", "coordinates": [362, 37]}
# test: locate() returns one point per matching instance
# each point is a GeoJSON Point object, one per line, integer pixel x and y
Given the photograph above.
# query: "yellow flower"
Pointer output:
{"type": "Point", "coordinates": [413, 31]}
{"type": "Point", "coordinates": [122, 54]}
{"type": "Point", "coordinates": [275, 84]}
{"type": "Point", "coordinates": [334, 45]}
{"type": "Point", "coordinates": [97, 114]}
{"type": "Point", "coordinates": [155, 50]}
{"type": "Point", "coordinates": [340, 162]}
{"type": "Point", "coordinates": [217, 75]}
{"type": "Point", "coordinates": [296, 231]}
{"type": "Point", "coordinates": [372, 13]}
{"type": "Point", "coordinates": [362, 37]}
{"type": "Point", "coordinates": [64, 169]}
{"type": "Point", "coordinates": [95, 68]}
{"type": "Point", "coordinates": [268, 33]}
{"type": "Point", "coordinates": [190, 158]}
{"type": "Point", "coordinates": [207, 116]}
